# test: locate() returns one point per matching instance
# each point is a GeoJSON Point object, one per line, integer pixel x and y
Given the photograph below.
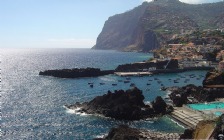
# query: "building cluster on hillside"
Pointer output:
{"type": "Point", "coordinates": [221, 66]}
{"type": "Point", "coordinates": [191, 55]}
{"type": "Point", "coordinates": [220, 56]}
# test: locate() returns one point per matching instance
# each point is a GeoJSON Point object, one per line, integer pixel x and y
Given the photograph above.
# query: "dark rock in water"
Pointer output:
{"type": "Point", "coordinates": [123, 132]}
{"type": "Point", "coordinates": [180, 96]}
{"type": "Point", "coordinates": [76, 73]}
{"type": "Point", "coordinates": [194, 94]}
{"type": "Point", "coordinates": [188, 134]}
{"type": "Point", "coordinates": [159, 105]}
{"type": "Point", "coordinates": [163, 88]}
{"type": "Point", "coordinates": [214, 78]}
{"type": "Point", "coordinates": [123, 105]}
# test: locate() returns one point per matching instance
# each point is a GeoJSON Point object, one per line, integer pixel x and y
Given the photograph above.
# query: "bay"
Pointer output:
{"type": "Point", "coordinates": [32, 106]}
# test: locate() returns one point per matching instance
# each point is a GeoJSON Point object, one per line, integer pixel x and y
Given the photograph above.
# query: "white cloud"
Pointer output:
{"type": "Point", "coordinates": [199, 1]}
{"type": "Point", "coordinates": [194, 1]}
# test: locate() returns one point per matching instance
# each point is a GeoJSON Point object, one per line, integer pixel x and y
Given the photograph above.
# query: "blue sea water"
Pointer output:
{"type": "Point", "coordinates": [32, 106]}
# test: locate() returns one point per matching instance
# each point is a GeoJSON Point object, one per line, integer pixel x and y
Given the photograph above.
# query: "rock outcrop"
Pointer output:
{"type": "Point", "coordinates": [76, 73]}
{"type": "Point", "coordinates": [123, 105]}
{"type": "Point", "coordinates": [180, 96]}
{"type": "Point", "coordinates": [219, 128]}
{"type": "Point", "coordinates": [150, 25]}
{"type": "Point", "coordinates": [214, 78]}
{"type": "Point", "coordinates": [194, 94]}
{"type": "Point", "coordinates": [188, 134]}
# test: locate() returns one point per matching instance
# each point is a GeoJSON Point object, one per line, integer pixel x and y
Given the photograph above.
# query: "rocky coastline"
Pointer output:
{"type": "Point", "coordinates": [124, 132]}
{"type": "Point", "coordinates": [214, 78]}
{"type": "Point", "coordinates": [129, 105]}
{"type": "Point", "coordinates": [123, 105]}
{"type": "Point", "coordinates": [197, 94]}
{"type": "Point", "coordinates": [193, 94]}
{"type": "Point", "coordinates": [76, 73]}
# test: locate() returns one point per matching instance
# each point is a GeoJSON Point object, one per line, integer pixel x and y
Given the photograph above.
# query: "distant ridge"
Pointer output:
{"type": "Point", "coordinates": [149, 25]}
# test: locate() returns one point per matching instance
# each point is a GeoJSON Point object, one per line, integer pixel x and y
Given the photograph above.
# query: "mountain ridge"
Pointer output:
{"type": "Point", "coordinates": [151, 24]}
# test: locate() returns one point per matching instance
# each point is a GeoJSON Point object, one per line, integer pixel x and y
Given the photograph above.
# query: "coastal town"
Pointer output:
{"type": "Point", "coordinates": [112, 70]}
{"type": "Point", "coordinates": [194, 52]}
{"type": "Point", "coordinates": [196, 108]}
{"type": "Point", "coordinates": [192, 111]}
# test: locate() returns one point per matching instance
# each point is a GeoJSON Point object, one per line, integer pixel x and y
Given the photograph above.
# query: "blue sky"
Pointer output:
{"type": "Point", "coordinates": [58, 23]}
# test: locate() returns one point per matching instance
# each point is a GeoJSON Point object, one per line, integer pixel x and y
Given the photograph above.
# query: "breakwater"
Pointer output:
{"type": "Point", "coordinates": [76, 73]}
{"type": "Point", "coordinates": [180, 70]}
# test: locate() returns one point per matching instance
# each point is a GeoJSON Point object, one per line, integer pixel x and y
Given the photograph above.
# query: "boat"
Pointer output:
{"type": "Point", "coordinates": [163, 88]}
{"type": "Point", "coordinates": [128, 78]}
{"type": "Point", "coordinates": [148, 84]}
{"type": "Point", "coordinates": [114, 84]}
{"type": "Point", "coordinates": [132, 85]}
{"type": "Point", "coordinates": [147, 89]}
{"type": "Point", "coordinates": [126, 81]}
{"type": "Point", "coordinates": [102, 83]}
{"type": "Point", "coordinates": [91, 86]}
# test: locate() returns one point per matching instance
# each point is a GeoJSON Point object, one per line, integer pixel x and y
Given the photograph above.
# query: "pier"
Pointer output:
{"type": "Point", "coordinates": [187, 116]}
{"type": "Point", "coordinates": [132, 73]}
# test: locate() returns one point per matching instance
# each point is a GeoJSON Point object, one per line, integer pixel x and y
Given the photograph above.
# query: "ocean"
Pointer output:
{"type": "Point", "coordinates": [32, 106]}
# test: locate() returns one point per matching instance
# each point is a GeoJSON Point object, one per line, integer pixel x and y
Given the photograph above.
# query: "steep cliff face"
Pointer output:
{"type": "Point", "coordinates": [149, 25]}
{"type": "Point", "coordinates": [118, 30]}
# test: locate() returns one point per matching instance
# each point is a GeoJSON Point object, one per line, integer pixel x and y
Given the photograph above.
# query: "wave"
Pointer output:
{"type": "Point", "coordinates": [75, 111]}
{"type": "Point", "coordinates": [101, 136]}
{"type": "Point", "coordinates": [177, 123]}
{"type": "Point", "coordinates": [107, 78]}
{"type": "Point", "coordinates": [168, 92]}
{"type": "Point", "coordinates": [147, 102]}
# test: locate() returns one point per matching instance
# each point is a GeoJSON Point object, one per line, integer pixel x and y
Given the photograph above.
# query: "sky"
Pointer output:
{"type": "Point", "coordinates": [59, 23]}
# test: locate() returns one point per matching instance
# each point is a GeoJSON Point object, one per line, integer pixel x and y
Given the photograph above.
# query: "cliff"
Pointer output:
{"type": "Point", "coordinates": [150, 25]}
